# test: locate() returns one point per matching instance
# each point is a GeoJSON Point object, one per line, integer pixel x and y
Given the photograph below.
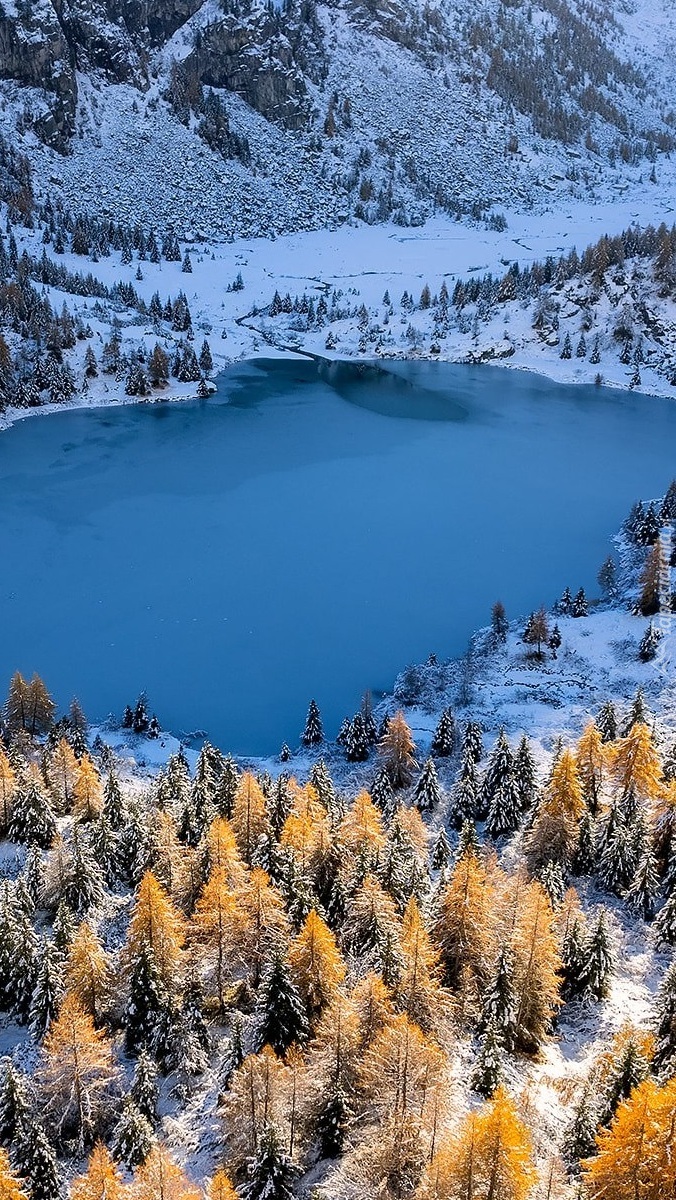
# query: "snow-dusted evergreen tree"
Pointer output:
{"type": "Point", "coordinates": [313, 734]}
{"type": "Point", "coordinates": [488, 1071]}
{"type": "Point", "coordinates": [638, 713]}
{"type": "Point", "coordinates": [600, 961]}
{"type": "Point", "coordinates": [665, 1025]}
{"type": "Point", "coordinates": [332, 1124]}
{"type": "Point", "coordinates": [473, 742]}
{"type": "Point", "coordinates": [282, 1019]}
{"type": "Point", "coordinates": [580, 1139]}
{"type": "Point", "coordinates": [443, 742]}
{"type": "Point", "coordinates": [645, 885]}
{"type": "Point", "coordinates": [525, 775]}
{"type": "Point", "coordinates": [580, 605]}
{"type": "Point", "coordinates": [553, 881]}
{"type": "Point", "coordinates": [64, 927]}
{"type": "Point", "coordinates": [147, 1002]}
{"type": "Point", "coordinates": [271, 1172]}
{"type": "Point", "coordinates": [321, 780]}
{"type": "Point", "coordinates": [83, 885]}
{"type": "Point", "coordinates": [499, 768]}
{"type": "Point", "coordinates": [665, 922]}
{"type": "Point", "coordinates": [133, 1137]}
{"type": "Point", "coordinates": [441, 854]}
{"type": "Point", "coordinates": [356, 742]}
{"type": "Point", "coordinates": [35, 1160]}
{"type": "Point", "coordinates": [504, 808]}
{"type": "Point", "coordinates": [427, 792]}
{"type": "Point", "coordinates": [607, 722]}
{"type": "Point", "coordinates": [144, 1091]}
{"type": "Point", "coordinates": [16, 1105]}
{"type": "Point", "coordinates": [382, 792]}
{"type": "Point", "coordinates": [465, 793]}
{"type": "Point", "coordinates": [499, 1005]}
{"type": "Point", "coordinates": [626, 1072]}
{"type": "Point", "coordinates": [33, 822]}
{"type": "Point", "coordinates": [649, 643]}
{"type": "Point", "coordinates": [48, 991]}
{"type": "Point", "coordinates": [574, 961]}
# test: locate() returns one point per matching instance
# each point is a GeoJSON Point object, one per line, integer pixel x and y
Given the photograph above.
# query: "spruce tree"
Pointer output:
{"type": "Point", "coordinates": [607, 722]}
{"type": "Point", "coordinates": [356, 742]}
{"type": "Point", "coordinates": [313, 734]}
{"type": "Point", "coordinates": [525, 776]}
{"type": "Point", "coordinates": [665, 1027]}
{"type": "Point", "coordinates": [488, 1071]}
{"type": "Point", "coordinates": [282, 1019]}
{"type": "Point", "coordinates": [48, 991]}
{"type": "Point", "coordinates": [472, 742]}
{"type": "Point", "coordinates": [580, 1139]}
{"type": "Point", "coordinates": [465, 793]}
{"type": "Point", "coordinates": [599, 962]}
{"type": "Point", "coordinates": [628, 1070]}
{"type": "Point", "coordinates": [15, 1104]}
{"type": "Point", "coordinates": [499, 769]}
{"type": "Point", "coordinates": [499, 1006]}
{"type": "Point", "coordinates": [441, 854]}
{"type": "Point", "coordinates": [132, 1136]}
{"type": "Point", "coordinates": [427, 792]}
{"type": "Point", "coordinates": [665, 922]}
{"type": "Point", "coordinates": [644, 887]}
{"type": "Point", "coordinates": [33, 822]}
{"type": "Point", "coordinates": [382, 792]}
{"type": "Point", "coordinates": [574, 961]}
{"type": "Point", "coordinates": [271, 1173]}
{"type": "Point", "coordinates": [443, 742]}
{"type": "Point", "coordinates": [503, 811]}
{"type": "Point", "coordinates": [332, 1123]}
{"type": "Point", "coordinates": [146, 1003]}
{"type": "Point", "coordinates": [83, 885]}
{"type": "Point", "coordinates": [113, 804]}
{"type": "Point", "coordinates": [36, 1161]}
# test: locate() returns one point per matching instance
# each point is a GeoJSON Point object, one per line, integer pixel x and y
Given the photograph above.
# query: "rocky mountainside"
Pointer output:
{"type": "Point", "coordinates": [199, 112]}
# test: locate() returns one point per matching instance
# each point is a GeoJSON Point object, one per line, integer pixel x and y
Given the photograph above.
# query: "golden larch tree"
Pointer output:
{"type": "Point", "coordinates": [78, 1076]}
{"type": "Point", "coordinates": [221, 1187]}
{"type": "Point", "coordinates": [636, 1159]}
{"type": "Point", "coordinates": [419, 992]}
{"type": "Point", "coordinates": [87, 792]}
{"type": "Point", "coordinates": [161, 1178]}
{"type": "Point", "coordinates": [62, 773]}
{"type": "Point", "coordinates": [373, 1006]}
{"type": "Point", "coordinates": [258, 1095]}
{"type": "Point", "coordinates": [11, 1188]}
{"type": "Point", "coordinates": [361, 830]}
{"type": "Point", "coordinates": [317, 964]}
{"type": "Point", "coordinates": [156, 926]}
{"type": "Point", "coordinates": [400, 1069]}
{"type": "Point", "coordinates": [266, 923]}
{"type": "Point", "coordinates": [464, 929]}
{"type": "Point", "coordinates": [102, 1179]}
{"type": "Point", "coordinates": [537, 966]}
{"type": "Point", "coordinates": [591, 762]}
{"type": "Point", "coordinates": [7, 792]}
{"type": "Point", "coordinates": [88, 971]}
{"type": "Point", "coordinates": [217, 934]}
{"type": "Point", "coordinates": [489, 1158]}
{"type": "Point", "coordinates": [636, 763]}
{"type": "Point", "coordinates": [397, 749]}
{"type": "Point", "coordinates": [554, 835]}
{"type": "Point", "coordinates": [222, 852]}
{"type": "Point", "coordinates": [249, 819]}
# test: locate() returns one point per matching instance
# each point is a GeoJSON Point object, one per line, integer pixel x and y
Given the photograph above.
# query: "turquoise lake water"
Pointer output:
{"type": "Point", "coordinates": [306, 532]}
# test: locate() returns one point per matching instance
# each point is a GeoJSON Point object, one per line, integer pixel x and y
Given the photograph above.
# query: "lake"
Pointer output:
{"type": "Point", "coordinates": [307, 531]}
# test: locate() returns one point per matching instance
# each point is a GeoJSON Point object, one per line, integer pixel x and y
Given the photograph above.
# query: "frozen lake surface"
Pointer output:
{"type": "Point", "coordinates": [306, 532]}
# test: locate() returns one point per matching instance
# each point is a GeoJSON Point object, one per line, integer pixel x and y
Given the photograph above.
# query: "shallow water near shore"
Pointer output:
{"type": "Point", "coordinates": [307, 531]}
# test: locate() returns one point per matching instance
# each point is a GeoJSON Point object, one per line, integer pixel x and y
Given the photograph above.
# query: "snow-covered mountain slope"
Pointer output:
{"type": "Point", "coordinates": [232, 117]}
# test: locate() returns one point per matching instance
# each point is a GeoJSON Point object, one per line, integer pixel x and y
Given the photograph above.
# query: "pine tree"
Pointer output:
{"type": "Point", "coordinates": [503, 811]}
{"type": "Point", "coordinates": [499, 623]}
{"type": "Point", "coordinates": [465, 794]}
{"type": "Point", "coordinates": [282, 1017]}
{"type": "Point", "coordinates": [525, 775]}
{"type": "Point", "coordinates": [101, 1181]}
{"type": "Point", "coordinates": [427, 792]}
{"type": "Point", "coordinates": [271, 1173]}
{"type": "Point", "coordinates": [356, 740]}
{"type": "Point", "coordinates": [472, 744]}
{"type": "Point", "coordinates": [443, 742]}
{"type": "Point", "coordinates": [441, 854]}
{"type": "Point", "coordinates": [144, 1091]}
{"type": "Point", "coordinates": [313, 734]}
{"type": "Point", "coordinates": [148, 1000]}
{"type": "Point", "coordinates": [665, 922]}
{"type": "Point", "coordinates": [83, 884]}
{"type": "Point", "coordinates": [78, 1077]}
{"type": "Point", "coordinates": [11, 1188]}
{"type": "Point", "coordinates": [35, 1161]}
{"type": "Point", "coordinates": [206, 360]}
{"type": "Point", "coordinates": [498, 770]}
{"type": "Point", "coordinates": [133, 1136]}
{"type": "Point", "coordinates": [599, 962]}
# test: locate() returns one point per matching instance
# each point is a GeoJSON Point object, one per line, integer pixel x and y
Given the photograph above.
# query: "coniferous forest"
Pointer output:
{"type": "Point", "coordinates": [224, 981]}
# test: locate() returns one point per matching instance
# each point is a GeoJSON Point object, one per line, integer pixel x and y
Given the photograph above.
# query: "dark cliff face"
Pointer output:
{"type": "Point", "coordinates": [43, 43]}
